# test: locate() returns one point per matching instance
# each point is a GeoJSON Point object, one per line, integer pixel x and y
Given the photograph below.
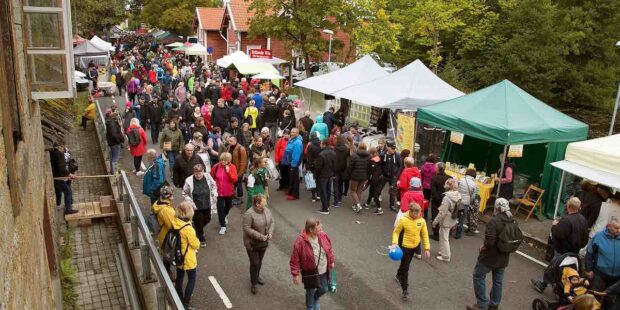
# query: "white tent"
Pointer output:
{"type": "Point", "coordinates": [87, 48]}
{"type": "Point", "coordinates": [273, 60]}
{"type": "Point", "coordinates": [197, 49]}
{"type": "Point", "coordinates": [238, 56]}
{"type": "Point", "coordinates": [175, 44]}
{"type": "Point", "coordinates": [100, 43]}
{"type": "Point", "coordinates": [597, 160]}
{"type": "Point", "coordinates": [269, 75]}
{"type": "Point", "coordinates": [409, 88]}
{"type": "Point", "coordinates": [363, 70]}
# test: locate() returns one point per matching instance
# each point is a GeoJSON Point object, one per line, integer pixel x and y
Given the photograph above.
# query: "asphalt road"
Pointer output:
{"type": "Point", "coordinates": [365, 278]}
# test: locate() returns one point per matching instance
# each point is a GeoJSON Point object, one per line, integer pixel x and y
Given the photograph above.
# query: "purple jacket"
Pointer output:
{"type": "Point", "coordinates": [428, 171]}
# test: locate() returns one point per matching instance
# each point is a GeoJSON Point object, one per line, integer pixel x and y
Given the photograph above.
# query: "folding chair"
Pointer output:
{"type": "Point", "coordinates": [532, 200]}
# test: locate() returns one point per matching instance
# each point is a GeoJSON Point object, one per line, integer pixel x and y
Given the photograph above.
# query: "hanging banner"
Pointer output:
{"type": "Point", "coordinates": [515, 150]}
{"type": "Point", "coordinates": [406, 132]}
{"type": "Point", "coordinates": [456, 137]}
{"type": "Point", "coordinates": [260, 53]}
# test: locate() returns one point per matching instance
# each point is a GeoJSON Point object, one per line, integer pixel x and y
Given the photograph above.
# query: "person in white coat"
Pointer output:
{"type": "Point", "coordinates": [445, 220]}
{"type": "Point", "coordinates": [200, 189]}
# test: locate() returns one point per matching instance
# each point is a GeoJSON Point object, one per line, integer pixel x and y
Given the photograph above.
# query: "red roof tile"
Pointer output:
{"type": "Point", "coordinates": [241, 14]}
{"type": "Point", "coordinates": [211, 18]}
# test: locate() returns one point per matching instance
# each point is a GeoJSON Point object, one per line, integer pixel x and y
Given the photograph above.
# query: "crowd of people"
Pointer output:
{"type": "Point", "coordinates": [223, 137]}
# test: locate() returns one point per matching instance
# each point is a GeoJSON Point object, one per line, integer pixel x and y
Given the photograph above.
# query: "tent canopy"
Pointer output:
{"type": "Point", "coordinates": [409, 88]}
{"type": "Point", "coordinates": [100, 43]}
{"type": "Point", "coordinates": [197, 49]}
{"type": "Point", "coordinates": [505, 114]}
{"type": "Point", "coordinates": [273, 60]}
{"type": "Point", "coordinates": [363, 70]}
{"type": "Point", "coordinates": [601, 154]}
{"type": "Point", "coordinates": [268, 76]}
{"type": "Point", "coordinates": [254, 67]}
{"type": "Point", "coordinates": [87, 48]}
{"type": "Point", "coordinates": [237, 56]}
{"type": "Point", "coordinates": [175, 44]}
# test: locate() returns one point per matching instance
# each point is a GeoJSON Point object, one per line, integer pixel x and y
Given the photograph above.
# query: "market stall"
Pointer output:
{"type": "Point", "coordinates": [87, 52]}
{"type": "Point", "coordinates": [503, 115]}
{"type": "Point", "coordinates": [485, 184]}
{"type": "Point", "coordinates": [101, 44]}
{"type": "Point", "coordinates": [597, 160]}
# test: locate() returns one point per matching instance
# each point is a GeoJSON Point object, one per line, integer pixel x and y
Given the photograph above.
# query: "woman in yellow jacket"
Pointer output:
{"type": "Point", "coordinates": [251, 111]}
{"type": "Point", "coordinates": [89, 113]}
{"type": "Point", "coordinates": [164, 210]}
{"type": "Point", "coordinates": [413, 226]}
{"type": "Point", "coordinates": [189, 246]}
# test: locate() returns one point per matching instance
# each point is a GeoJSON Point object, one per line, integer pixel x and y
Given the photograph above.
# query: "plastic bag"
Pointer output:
{"type": "Point", "coordinates": [272, 171]}
{"type": "Point", "coordinates": [309, 181]}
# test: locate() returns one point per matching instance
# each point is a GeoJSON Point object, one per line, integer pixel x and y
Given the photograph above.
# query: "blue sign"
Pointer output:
{"type": "Point", "coordinates": [210, 50]}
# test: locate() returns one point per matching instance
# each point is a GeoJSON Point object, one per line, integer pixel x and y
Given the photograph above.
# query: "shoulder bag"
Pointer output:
{"type": "Point", "coordinates": [312, 278]}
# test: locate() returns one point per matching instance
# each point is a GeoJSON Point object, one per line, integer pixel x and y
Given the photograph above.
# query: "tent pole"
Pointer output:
{"type": "Point", "coordinates": [557, 201]}
{"type": "Point", "coordinates": [501, 170]}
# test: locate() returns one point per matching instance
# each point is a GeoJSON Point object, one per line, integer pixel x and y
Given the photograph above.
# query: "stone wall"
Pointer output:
{"type": "Point", "coordinates": [27, 278]}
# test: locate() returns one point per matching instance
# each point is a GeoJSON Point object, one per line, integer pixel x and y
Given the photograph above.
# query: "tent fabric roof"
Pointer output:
{"type": "Point", "coordinates": [602, 154]}
{"type": "Point", "coordinates": [210, 18]}
{"type": "Point", "coordinates": [254, 67]}
{"type": "Point", "coordinates": [87, 48]}
{"type": "Point", "coordinates": [273, 60]}
{"type": "Point", "coordinates": [100, 43]}
{"type": "Point", "coordinates": [598, 176]}
{"type": "Point", "coordinates": [237, 56]}
{"type": "Point", "coordinates": [505, 114]}
{"type": "Point", "coordinates": [363, 70]}
{"type": "Point", "coordinates": [409, 88]}
{"type": "Point", "coordinates": [196, 49]}
{"type": "Point", "coordinates": [269, 75]}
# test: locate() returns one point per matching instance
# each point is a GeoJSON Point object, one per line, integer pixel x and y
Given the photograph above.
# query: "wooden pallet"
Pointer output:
{"type": "Point", "coordinates": [88, 211]}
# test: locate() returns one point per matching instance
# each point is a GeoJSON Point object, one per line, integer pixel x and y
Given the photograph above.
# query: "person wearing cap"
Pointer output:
{"type": "Point", "coordinates": [115, 138]}
{"type": "Point", "coordinates": [391, 167]}
{"type": "Point", "coordinates": [201, 190]}
{"type": "Point", "coordinates": [468, 190]}
{"type": "Point", "coordinates": [490, 259]}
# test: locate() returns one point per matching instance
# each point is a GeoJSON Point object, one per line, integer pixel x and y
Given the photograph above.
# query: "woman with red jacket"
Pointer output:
{"type": "Point", "coordinates": [137, 143]}
{"type": "Point", "coordinates": [312, 257]}
{"type": "Point", "coordinates": [278, 155]}
{"type": "Point", "coordinates": [225, 175]}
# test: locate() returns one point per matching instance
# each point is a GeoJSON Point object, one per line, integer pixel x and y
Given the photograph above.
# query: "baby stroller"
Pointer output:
{"type": "Point", "coordinates": [553, 276]}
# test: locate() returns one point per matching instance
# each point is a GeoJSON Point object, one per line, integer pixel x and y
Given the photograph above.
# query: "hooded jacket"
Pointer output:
{"type": "Point", "coordinates": [220, 117]}
{"type": "Point", "coordinates": [154, 177]}
{"type": "Point", "coordinates": [404, 179]}
{"type": "Point", "coordinates": [325, 163]}
{"type": "Point", "coordinates": [490, 256]}
{"type": "Point", "coordinates": [140, 149]}
{"type": "Point", "coordinates": [428, 172]}
{"type": "Point", "coordinates": [294, 151]}
{"type": "Point", "coordinates": [189, 243]}
{"type": "Point", "coordinates": [114, 134]}
{"type": "Point", "coordinates": [603, 254]}
{"type": "Point", "coordinates": [342, 159]}
{"type": "Point", "coordinates": [358, 166]}
{"type": "Point", "coordinates": [312, 154]}
{"type": "Point", "coordinates": [320, 127]}
{"type": "Point", "coordinates": [448, 203]}
{"type": "Point", "coordinates": [173, 136]}
{"type": "Point", "coordinates": [392, 165]}
{"type": "Point", "coordinates": [164, 210]}
{"type": "Point", "coordinates": [278, 154]}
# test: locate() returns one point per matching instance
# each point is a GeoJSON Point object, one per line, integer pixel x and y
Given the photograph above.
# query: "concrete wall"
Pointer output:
{"type": "Point", "coordinates": [26, 279]}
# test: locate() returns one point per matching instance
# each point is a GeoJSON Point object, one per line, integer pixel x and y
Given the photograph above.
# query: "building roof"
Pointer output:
{"type": "Point", "coordinates": [241, 14]}
{"type": "Point", "coordinates": [210, 18]}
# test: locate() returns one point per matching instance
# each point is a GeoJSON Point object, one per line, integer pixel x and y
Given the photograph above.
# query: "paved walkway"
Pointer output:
{"type": "Point", "coordinates": [94, 246]}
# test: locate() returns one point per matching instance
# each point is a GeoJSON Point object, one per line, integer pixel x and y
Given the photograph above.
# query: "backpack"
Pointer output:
{"type": "Point", "coordinates": [172, 253]}
{"type": "Point", "coordinates": [134, 137]}
{"type": "Point", "coordinates": [509, 238]}
{"type": "Point", "coordinates": [457, 210]}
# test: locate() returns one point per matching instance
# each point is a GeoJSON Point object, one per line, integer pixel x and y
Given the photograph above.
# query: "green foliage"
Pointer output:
{"type": "Point", "coordinates": [371, 28]}
{"type": "Point", "coordinates": [173, 15]}
{"type": "Point", "coordinates": [96, 16]}
{"type": "Point", "coordinates": [68, 273]}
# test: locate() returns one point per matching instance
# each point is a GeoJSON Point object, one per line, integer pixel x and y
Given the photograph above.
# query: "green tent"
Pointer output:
{"type": "Point", "coordinates": [506, 115]}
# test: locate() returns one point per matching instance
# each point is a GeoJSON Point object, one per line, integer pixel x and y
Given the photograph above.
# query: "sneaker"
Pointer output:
{"type": "Point", "coordinates": [476, 231]}
{"type": "Point", "coordinates": [394, 208]}
{"type": "Point", "coordinates": [398, 203]}
{"type": "Point", "coordinates": [236, 201]}
{"type": "Point", "coordinates": [324, 212]}
{"type": "Point", "coordinates": [70, 211]}
{"type": "Point", "coordinates": [358, 209]}
{"type": "Point", "coordinates": [441, 258]}
{"type": "Point", "coordinates": [314, 200]}
{"type": "Point", "coordinates": [397, 279]}
{"type": "Point", "coordinates": [336, 205]}
{"type": "Point", "coordinates": [418, 256]}
{"type": "Point", "coordinates": [405, 295]}
{"type": "Point", "coordinates": [140, 173]}
{"type": "Point", "coordinates": [536, 285]}
{"type": "Point", "coordinates": [291, 198]}
{"type": "Point", "coordinates": [253, 290]}
{"type": "Point", "coordinates": [260, 281]}
{"type": "Point", "coordinates": [366, 206]}
{"type": "Point", "coordinates": [222, 230]}
{"type": "Point", "coordinates": [378, 211]}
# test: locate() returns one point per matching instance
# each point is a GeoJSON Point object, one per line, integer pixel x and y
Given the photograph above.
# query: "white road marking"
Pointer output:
{"type": "Point", "coordinates": [220, 292]}
{"type": "Point", "coordinates": [532, 259]}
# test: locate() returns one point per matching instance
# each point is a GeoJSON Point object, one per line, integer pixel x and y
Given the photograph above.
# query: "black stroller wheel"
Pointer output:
{"type": "Point", "coordinates": [540, 304]}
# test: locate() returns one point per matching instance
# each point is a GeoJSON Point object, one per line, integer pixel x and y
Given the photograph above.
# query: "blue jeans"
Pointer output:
{"type": "Point", "coordinates": [171, 156]}
{"type": "Point", "coordinates": [313, 294]}
{"type": "Point", "coordinates": [459, 227]}
{"type": "Point", "coordinates": [339, 188]}
{"type": "Point", "coordinates": [325, 189]}
{"type": "Point", "coordinates": [480, 274]}
{"type": "Point", "coordinates": [189, 289]}
{"type": "Point", "coordinates": [64, 187]}
{"type": "Point", "coordinates": [115, 153]}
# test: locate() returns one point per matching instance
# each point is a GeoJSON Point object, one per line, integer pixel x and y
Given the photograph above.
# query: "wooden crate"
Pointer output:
{"type": "Point", "coordinates": [88, 211]}
{"type": "Point", "coordinates": [108, 204]}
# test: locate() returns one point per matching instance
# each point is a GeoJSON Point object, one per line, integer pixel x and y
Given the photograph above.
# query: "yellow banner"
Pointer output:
{"type": "Point", "coordinates": [406, 132]}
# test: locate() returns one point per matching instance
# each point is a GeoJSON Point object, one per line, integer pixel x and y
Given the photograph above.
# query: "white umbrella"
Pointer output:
{"type": "Point", "coordinates": [175, 44]}
{"type": "Point", "coordinates": [268, 76]}
{"type": "Point", "coordinates": [197, 49]}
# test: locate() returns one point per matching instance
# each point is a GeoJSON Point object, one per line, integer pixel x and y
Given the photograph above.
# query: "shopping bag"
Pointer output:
{"type": "Point", "coordinates": [309, 181]}
{"type": "Point", "coordinates": [271, 169]}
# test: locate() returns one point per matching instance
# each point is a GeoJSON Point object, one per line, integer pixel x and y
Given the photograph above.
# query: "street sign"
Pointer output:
{"type": "Point", "coordinates": [210, 50]}
{"type": "Point", "coordinates": [261, 53]}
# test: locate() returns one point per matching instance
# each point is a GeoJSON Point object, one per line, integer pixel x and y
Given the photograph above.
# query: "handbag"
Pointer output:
{"type": "Point", "coordinates": [167, 146]}
{"type": "Point", "coordinates": [309, 181]}
{"type": "Point", "coordinates": [312, 278]}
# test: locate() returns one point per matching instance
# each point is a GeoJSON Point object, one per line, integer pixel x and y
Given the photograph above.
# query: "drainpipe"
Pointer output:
{"type": "Point", "coordinates": [268, 43]}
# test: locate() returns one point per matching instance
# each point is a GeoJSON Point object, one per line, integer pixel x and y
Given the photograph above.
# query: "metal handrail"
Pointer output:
{"type": "Point", "coordinates": [133, 213]}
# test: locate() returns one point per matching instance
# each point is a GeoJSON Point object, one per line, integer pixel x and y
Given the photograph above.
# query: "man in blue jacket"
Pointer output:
{"type": "Point", "coordinates": [155, 175]}
{"type": "Point", "coordinates": [603, 257]}
{"type": "Point", "coordinates": [292, 153]}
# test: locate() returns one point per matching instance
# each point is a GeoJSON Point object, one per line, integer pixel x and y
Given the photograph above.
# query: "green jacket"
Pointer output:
{"type": "Point", "coordinates": [173, 136]}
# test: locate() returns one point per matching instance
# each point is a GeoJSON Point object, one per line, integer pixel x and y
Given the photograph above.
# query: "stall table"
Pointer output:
{"type": "Point", "coordinates": [484, 190]}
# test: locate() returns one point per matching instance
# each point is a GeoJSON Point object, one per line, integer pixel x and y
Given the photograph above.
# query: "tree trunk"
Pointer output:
{"type": "Point", "coordinates": [307, 61]}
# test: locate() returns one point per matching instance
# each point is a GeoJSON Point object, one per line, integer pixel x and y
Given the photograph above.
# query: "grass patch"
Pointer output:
{"type": "Point", "coordinates": [81, 102]}
{"type": "Point", "coordinates": [68, 273]}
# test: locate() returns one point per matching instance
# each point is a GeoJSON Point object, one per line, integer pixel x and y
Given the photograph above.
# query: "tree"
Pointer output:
{"type": "Point", "coordinates": [173, 15]}
{"type": "Point", "coordinates": [95, 16]}
{"type": "Point", "coordinates": [299, 22]}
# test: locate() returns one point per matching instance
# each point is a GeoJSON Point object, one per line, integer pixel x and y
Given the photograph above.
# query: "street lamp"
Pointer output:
{"type": "Point", "coordinates": [613, 118]}
{"type": "Point", "coordinates": [331, 35]}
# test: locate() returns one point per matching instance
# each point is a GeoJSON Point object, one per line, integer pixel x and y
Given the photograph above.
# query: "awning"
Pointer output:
{"type": "Point", "coordinates": [599, 176]}
{"type": "Point", "coordinates": [268, 76]}
{"type": "Point", "coordinates": [254, 67]}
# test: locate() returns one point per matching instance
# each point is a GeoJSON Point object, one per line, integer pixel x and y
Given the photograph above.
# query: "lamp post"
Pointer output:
{"type": "Point", "coordinates": [331, 35]}
{"type": "Point", "coordinates": [613, 117]}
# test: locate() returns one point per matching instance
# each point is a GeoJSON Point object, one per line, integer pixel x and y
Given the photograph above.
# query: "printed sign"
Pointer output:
{"type": "Point", "coordinates": [515, 150]}
{"type": "Point", "coordinates": [261, 53]}
{"type": "Point", "coordinates": [456, 137]}
{"type": "Point", "coordinates": [406, 132]}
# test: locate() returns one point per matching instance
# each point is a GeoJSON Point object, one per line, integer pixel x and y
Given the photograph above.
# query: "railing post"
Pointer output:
{"type": "Point", "coordinates": [135, 233]}
{"type": "Point", "coordinates": [147, 276]}
{"type": "Point", "coordinates": [161, 298]}
{"type": "Point", "coordinates": [119, 185]}
{"type": "Point", "coordinates": [127, 205]}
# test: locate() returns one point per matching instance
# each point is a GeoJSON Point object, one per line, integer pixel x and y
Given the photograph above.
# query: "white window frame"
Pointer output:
{"type": "Point", "coordinates": [65, 10]}
{"type": "Point", "coordinates": [252, 47]}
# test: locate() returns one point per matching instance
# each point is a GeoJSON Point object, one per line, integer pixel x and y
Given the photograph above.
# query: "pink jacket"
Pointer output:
{"type": "Point", "coordinates": [428, 171]}
{"type": "Point", "coordinates": [302, 257]}
{"type": "Point", "coordinates": [225, 181]}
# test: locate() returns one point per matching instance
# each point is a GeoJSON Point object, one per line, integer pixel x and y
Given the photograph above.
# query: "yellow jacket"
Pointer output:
{"type": "Point", "coordinates": [188, 238]}
{"type": "Point", "coordinates": [413, 229]}
{"type": "Point", "coordinates": [252, 111]}
{"type": "Point", "coordinates": [89, 112]}
{"type": "Point", "coordinates": [579, 289]}
{"type": "Point", "coordinates": [164, 210]}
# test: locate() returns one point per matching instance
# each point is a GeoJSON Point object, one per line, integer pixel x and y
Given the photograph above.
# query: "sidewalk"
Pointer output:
{"type": "Point", "coordinates": [94, 246]}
